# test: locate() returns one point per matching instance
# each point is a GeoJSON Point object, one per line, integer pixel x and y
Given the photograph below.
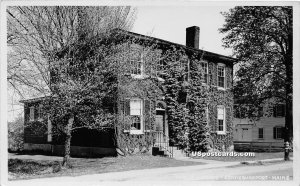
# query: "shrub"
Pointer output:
{"type": "Point", "coordinates": [16, 135]}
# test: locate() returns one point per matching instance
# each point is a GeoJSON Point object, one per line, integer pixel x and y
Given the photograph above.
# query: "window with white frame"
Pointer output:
{"type": "Point", "coordinates": [221, 119]}
{"type": "Point", "coordinates": [204, 66]}
{"type": "Point", "coordinates": [221, 76]}
{"type": "Point", "coordinates": [260, 133]}
{"type": "Point", "coordinates": [31, 113]}
{"type": "Point", "coordinates": [136, 62]}
{"type": "Point", "coordinates": [136, 113]}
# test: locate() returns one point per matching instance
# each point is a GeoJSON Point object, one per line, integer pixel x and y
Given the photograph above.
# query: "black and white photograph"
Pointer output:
{"type": "Point", "coordinates": [135, 93]}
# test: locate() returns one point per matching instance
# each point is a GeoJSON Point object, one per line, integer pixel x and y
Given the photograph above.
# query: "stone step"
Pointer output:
{"type": "Point", "coordinates": [171, 151]}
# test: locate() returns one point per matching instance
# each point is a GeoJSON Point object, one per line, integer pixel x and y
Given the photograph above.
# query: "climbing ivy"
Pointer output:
{"type": "Point", "coordinates": [186, 101]}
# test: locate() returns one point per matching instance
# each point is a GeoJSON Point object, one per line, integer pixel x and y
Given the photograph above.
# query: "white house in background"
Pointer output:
{"type": "Point", "coordinates": [267, 129]}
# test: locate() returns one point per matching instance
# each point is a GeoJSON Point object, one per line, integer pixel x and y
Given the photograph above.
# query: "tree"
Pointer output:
{"type": "Point", "coordinates": [34, 32]}
{"type": "Point", "coordinates": [37, 35]}
{"type": "Point", "coordinates": [262, 40]}
{"type": "Point", "coordinates": [79, 84]}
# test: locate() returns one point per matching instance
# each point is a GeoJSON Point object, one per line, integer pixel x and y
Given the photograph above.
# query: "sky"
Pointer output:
{"type": "Point", "coordinates": [169, 23]}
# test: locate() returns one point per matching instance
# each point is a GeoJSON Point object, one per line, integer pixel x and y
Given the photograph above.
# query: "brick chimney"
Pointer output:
{"type": "Point", "coordinates": [192, 37]}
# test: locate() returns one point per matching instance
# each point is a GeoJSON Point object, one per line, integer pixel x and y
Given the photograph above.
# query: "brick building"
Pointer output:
{"type": "Point", "coordinates": [217, 80]}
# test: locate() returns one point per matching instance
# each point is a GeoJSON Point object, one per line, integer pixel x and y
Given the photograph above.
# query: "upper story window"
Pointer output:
{"type": "Point", "coordinates": [221, 120]}
{"type": "Point", "coordinates": [31, 113]}
{"type": "Point", "coordinates": [185, 65]}
{"type": "Point", "coordinates": [136, 62]}
{"type": "Point", "coordinates": [279, 110]}
{"type": "Point", "coordinates": [204, 66]}
{"type": "Point", "coordinates": [160, 66]}
{"type": "Point", "coordinates": [136, 113]}
{"type": "Point", "coordinates": [221, 76]}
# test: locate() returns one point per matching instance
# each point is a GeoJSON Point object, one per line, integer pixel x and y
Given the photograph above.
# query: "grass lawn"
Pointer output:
{"type": "Point", "coordinates": [258, 156]}
{"type": "Point", "coordinates": [28, 169]}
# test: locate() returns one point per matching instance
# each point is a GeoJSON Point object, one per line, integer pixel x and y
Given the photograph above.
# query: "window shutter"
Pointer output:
{"type": "Point", "coordinates": [147, 60]}
{"type": "Point", "coordinates": [36, 111]}
{"type": "Point", "coordinates": [147, 122]}
{"type": "Point", "coordinates": [274, 111]}
{"type": "Point", "coordinates": [274, 132]}
{"type": "Point", "coordinates": [210, 80]}
{"type": "Point", "coordinates": [127, 107]}
{"type": "Point", "coordinates": [283, 132]}
{"type": "Point", "coordinates": [227, 117]}
{"type": "Point", "coordinates": [215, 118]}
{"type": "Point", "coordinates": [283, 110]}
{"type": "Point", "coordinates": [125, 110]}
{"type": "Point", "coordinates": [27, 113]}
{"type": "Point", "coordinates": [121, 107]}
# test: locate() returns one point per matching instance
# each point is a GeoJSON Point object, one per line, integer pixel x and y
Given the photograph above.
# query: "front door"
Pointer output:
{"type": "Point", "coordinates": [246, 134]}
{"type": "Point", "coordinates": [160, 127]}
{"type": "Point", "coordinates": [159, 123]}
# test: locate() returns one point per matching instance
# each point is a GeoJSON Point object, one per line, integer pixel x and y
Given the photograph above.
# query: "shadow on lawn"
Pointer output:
{"type": "Point", "coordinates": [41, 152]}
{"type": "Point", "coordinates": [19, 166]}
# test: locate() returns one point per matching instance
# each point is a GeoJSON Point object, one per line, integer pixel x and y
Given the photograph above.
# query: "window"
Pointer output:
{"type": "Point", "coordinates": [136, 62]}
{"type": "Point", "coordinates": [221, 76]}
{"type": "Point", "coordinates": [205, 70]}
{"type": "Point", "coordinates": [221, 120]}
{"type": "Point", "coordinates": [185, 65]}
{"type": "Point", "coordinates": [39, 112]}
{"type": "Point", "coordinates": [279, 110]}
{"type": "Point", "coordinates": [260, 133]}
{"type": "Point", "coordinates": [136, 114]}
{"type": "Point", "coordinates": [182, 96]}
{"type": "Point", "coordinates": [31, 113]}
{"type": "Point", "coordinates": [160, 65]}
{"type": "Point", "coordinates": [277, 132]}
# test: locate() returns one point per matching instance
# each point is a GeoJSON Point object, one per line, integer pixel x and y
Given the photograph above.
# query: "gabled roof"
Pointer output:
{"type": "Point", "coordinates": [207, 54]}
